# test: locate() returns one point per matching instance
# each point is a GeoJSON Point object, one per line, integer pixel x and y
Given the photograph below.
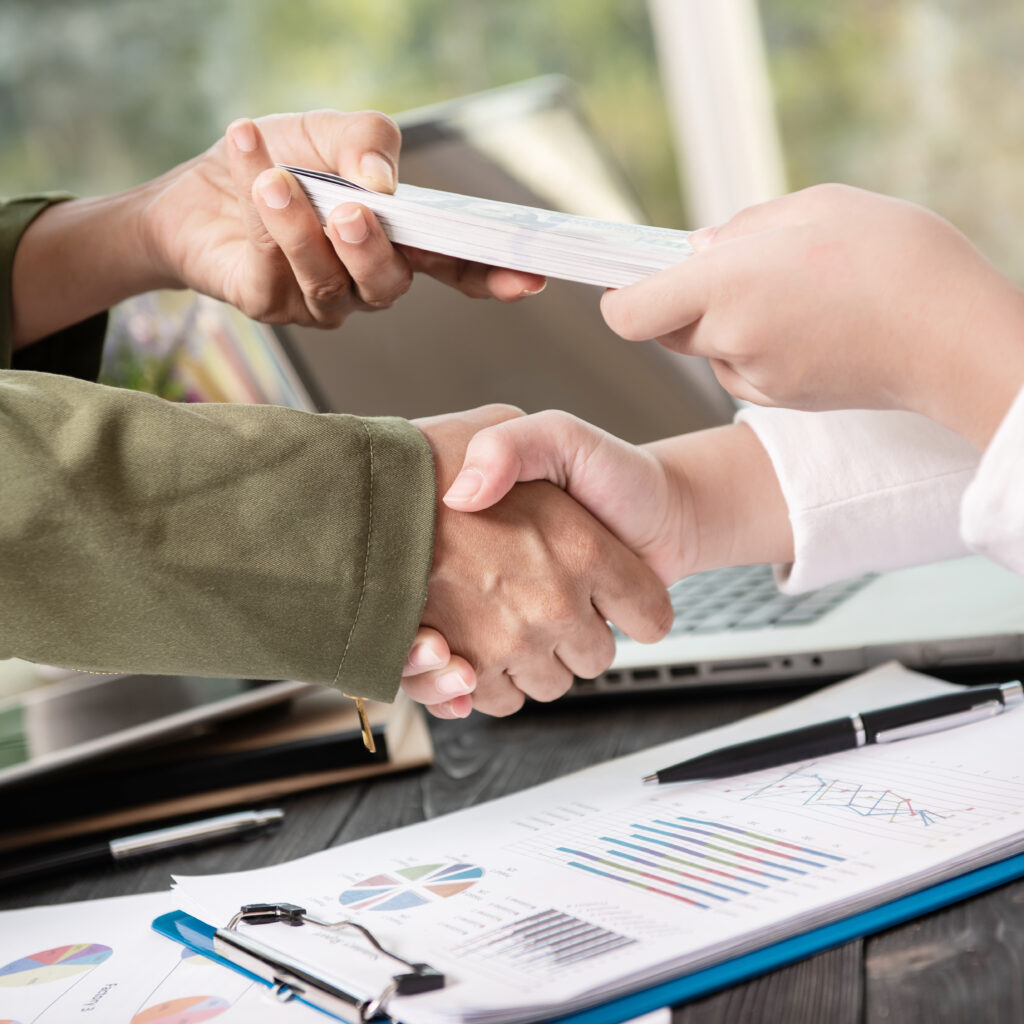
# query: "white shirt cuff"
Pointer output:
{"type": "Point", "coordinates": [867, 490]}
{"type": "Point", "coordinates": [992, 512]}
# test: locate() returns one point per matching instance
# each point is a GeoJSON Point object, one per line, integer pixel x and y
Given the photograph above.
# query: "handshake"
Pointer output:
{"type": "Point", "coordinates": [548, 529]}
{"type": "Point", "coordinates": [219, 539]}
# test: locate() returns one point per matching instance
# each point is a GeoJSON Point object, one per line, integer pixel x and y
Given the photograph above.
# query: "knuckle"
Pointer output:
{"type": "Point", "coordinates": [327, 290]}
{"type": "Point", "coordinates": [588, 549]}
{"type": "Point", "coordinates": [271, 308]}
{"type": "Point", "coordinates": [551, 687]}
{"type": "Point", "coordinates": [556, 420]}
{"type": "Point", "coordinates": [500, 411]}
{"type": "Point", "coordinates": [378, 125]}
{"type": "Point", "coordinates": [828, 192]}
{"type": "Point", "coordinates": [500, 705]}
{"type": "Point", "coordinates": [384, 298]}
{"type": "Point", "coordinates": [559, 611]}
{"type": "Point", "coordinates": [492, 448]}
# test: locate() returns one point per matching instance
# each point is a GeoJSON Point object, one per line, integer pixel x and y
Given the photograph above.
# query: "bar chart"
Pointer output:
{"type": "Point", "coordinates": [546, 940]}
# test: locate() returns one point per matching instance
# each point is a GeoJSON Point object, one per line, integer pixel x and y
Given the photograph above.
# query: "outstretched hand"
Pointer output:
{"type": "Point", "coordinates": [627, 488]}
{"type": "Point", "coordinates": [834, 297]}
{"type": "Point", "coordinates": [699, 501]}
{"type": "Point", "coordinates": [232, 224]}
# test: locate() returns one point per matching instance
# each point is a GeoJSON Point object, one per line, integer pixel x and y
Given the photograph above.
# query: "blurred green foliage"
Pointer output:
{"type": "Point", "coordinates": [918, 98]}
{"type": "Point", "coordinates": [99, 94]}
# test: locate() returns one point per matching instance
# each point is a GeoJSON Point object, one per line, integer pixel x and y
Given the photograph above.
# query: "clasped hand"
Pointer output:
{"type": "Point", "coordinates": [523, 591]}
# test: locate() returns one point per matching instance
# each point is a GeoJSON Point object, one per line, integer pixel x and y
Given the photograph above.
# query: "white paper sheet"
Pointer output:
{"type": "Point", "coordinates": [579, 889]}
{"type": "Point", "coordinates": [100, 962]}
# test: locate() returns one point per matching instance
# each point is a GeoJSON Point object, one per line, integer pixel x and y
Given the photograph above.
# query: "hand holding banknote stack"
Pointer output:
{"type": "Point", "coordinates": [605, 253]}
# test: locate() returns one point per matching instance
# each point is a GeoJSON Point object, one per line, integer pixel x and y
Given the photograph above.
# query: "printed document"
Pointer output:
{"type": "Point", "coordinates": [565, 895]}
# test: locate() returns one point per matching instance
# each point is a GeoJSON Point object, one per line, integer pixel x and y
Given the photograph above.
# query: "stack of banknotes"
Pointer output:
{"type": "Point", "coordinates": [605, 253]}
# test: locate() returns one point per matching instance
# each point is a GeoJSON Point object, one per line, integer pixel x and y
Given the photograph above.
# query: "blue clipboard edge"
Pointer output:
{"type": "Point", "coordinates": [198, 936]}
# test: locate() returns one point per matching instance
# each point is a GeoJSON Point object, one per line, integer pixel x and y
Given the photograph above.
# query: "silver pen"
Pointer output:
{"type": "Point", "coordinates": [240, 825]}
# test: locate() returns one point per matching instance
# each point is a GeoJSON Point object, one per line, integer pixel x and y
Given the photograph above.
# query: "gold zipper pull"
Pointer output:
{"type": "Point", "coordinates": [364, 723]}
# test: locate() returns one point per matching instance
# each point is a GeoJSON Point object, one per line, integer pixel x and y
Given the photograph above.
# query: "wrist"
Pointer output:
{"type": "Point", "coordinates": [95, 248]}
{"type": "Point", "coordinates": [975, 376]}
{"type": "Point", "coordinates": [734, 509]}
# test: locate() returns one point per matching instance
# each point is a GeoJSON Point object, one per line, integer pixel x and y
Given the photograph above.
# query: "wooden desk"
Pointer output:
{"type": "Point", "coordinates": [963, 964]}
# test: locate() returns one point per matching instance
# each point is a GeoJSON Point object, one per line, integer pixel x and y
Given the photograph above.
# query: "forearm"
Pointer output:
{"type": "Point", "coordinates": [969, 381]}
{"type": "Point", "coordinates": [726, 481]}
{"type": "Point", "coordinates": [142, 535]}
{"type": "Point", "coordinates": [78, 258]}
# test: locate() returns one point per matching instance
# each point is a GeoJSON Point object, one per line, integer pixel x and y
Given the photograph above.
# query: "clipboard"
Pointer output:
{"type": "Point", "coordinates": [275, 966]}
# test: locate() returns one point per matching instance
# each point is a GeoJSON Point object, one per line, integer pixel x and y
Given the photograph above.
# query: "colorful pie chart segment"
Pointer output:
{"type": "Point", "coordinates": [53, 964]}
{"type": "Point", "coordinates": [187, 1010]}
{"type": "Point", "coordinates": [411, 887]}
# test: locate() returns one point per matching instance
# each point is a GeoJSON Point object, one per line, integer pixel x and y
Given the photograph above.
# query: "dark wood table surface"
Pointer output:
{"type": "Point", "coordinates": [962, 964]}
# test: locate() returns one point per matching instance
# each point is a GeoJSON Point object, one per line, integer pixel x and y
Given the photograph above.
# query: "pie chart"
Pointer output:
{"type": "Point", "coordinates": [53, 964]}
{"type": "Point", "coordinates": [411, 887]}
{"type": "Point", "coordinates": [187, 1010]}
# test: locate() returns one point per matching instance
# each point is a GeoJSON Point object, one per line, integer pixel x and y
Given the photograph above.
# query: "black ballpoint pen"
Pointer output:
{"type": "Point", "coordinates": [882, 726]}
{"type": "Point", "coordinates": [240, 825]}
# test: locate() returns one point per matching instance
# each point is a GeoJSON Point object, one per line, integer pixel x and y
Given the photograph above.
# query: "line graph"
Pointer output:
{"type": "Point", "coordinates": [812, 786]}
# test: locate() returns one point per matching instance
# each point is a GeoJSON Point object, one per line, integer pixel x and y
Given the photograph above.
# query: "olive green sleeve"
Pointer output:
{"type": "Point", "coordinates": [142, 535]}
{"type": "Point", "coordinates": [75, 351]}
{"type": "Point", "coordinates": [138, 535]}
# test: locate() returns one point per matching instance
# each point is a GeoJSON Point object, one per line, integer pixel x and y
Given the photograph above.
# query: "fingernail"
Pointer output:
{"type": "Point", "coordinates": [451, 684]}
{"type": "Point", "coordinates": [423, 655]}
{"type": "Point", "coordinates": [378, 172]}
{"type": "Point", "coordinates": [458, 708]}
{"type": "Point", "coordinates": [275, 191]}
{"type": "Point", "coordinates": [243, 135]}
{"type": "Point", "coordinates": [466, 486]}
{"type": "Point", "coordinates": [533, 291]}
{"type": "Point", "coordinates": [350, 227]}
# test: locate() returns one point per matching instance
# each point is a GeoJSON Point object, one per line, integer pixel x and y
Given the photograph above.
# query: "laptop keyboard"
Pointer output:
{"type": "Point", "coordinates": [746, 597]}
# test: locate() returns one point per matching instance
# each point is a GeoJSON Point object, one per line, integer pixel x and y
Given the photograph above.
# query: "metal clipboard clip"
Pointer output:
{"type": "Point", "coordinates": [291, 979]}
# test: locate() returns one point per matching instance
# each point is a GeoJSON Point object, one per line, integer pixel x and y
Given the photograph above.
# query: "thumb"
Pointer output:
{"type": "Point", "coordinates": [544, 446]}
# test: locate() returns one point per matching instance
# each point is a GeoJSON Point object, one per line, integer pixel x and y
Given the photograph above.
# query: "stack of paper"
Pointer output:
{"type": "Point", "coordinates": [592, 886]}
{"type": "Point", "coordinates": [605, 253]}
{"type": "Point", "coordinates": [313, 741]}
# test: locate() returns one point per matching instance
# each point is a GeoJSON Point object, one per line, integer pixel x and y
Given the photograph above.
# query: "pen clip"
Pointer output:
{"type": "Point", "coordinates": [289, 978]}
{"type": "Point", "coordinates": [364, 723]}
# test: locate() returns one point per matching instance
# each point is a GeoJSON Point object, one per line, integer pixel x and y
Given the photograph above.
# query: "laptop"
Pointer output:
{"type": "Point", "coordinates": [434, 353]}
